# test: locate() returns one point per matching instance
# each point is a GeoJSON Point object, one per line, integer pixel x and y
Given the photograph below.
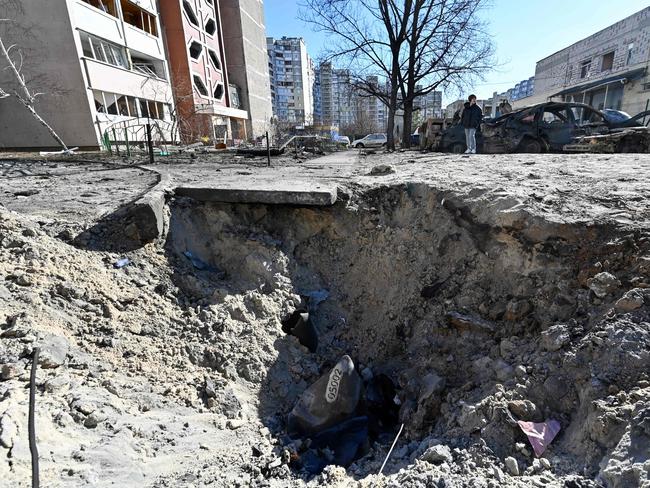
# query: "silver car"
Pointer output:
{"type": "Point", "coordinates": [371, 140]}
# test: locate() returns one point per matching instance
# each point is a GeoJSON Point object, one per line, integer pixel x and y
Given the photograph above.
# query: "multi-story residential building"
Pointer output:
{"type": "Point", "coordinates": [429, 105]}
{"type": "Point", "coordinates": [318, 99]}
{"type": "Point", "coordinates": [608, 69]}
{"type": "Point", "coordinates": [244, 42]}
{"type": "Point", "coordinates": [205, 103]}
{"type": "Point", "coordinates": [292, 80]}
{"type": "Point", "coordinates": [102, 67]}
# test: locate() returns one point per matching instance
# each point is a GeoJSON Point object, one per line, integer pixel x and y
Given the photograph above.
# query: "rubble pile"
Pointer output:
{"type": "Point", "coordinates": [284, 346]}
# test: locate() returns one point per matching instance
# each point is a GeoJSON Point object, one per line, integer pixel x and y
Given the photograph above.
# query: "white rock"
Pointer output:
{"type": "Point", "coordinates": [511, 465]}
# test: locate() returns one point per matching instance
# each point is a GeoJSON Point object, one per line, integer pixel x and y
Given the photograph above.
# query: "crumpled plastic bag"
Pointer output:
{"type": "Point", "coordinates": [540, 434]}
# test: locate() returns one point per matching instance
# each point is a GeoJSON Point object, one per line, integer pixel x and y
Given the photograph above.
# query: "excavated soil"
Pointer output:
{"type": "Point", "coordinates": [171, 372]}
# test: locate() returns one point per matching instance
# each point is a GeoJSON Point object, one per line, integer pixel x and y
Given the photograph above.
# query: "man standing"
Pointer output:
{"type": "Point", "coordinates": [471, 120]}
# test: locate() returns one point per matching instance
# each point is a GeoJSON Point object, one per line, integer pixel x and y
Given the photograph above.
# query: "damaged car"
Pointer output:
{"type": "Point", "coordinates": [556, 126]}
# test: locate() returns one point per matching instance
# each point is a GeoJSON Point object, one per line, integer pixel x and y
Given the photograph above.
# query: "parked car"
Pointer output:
{"type": "Point", "coordinates": [549, 127]}
{"type": "Point", "coordinates": [371, 140]}
{"type": "Point", "coordinates": [342, 140]}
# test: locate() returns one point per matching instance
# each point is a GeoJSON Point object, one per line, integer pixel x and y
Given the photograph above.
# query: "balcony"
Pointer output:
{"type": "Point", "coordinates": [118, 80]}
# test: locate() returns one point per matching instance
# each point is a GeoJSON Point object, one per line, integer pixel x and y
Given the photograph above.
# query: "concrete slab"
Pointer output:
{"type": "Point", "coordinates": [267, 192]}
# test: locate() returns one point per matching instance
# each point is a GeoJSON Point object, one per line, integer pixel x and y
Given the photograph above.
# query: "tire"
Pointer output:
{"type": "Point", "coordinates": [457, 148]}
{"type": "Point", "coordinates": [360, 145]}
{"type": "Point", "coordinates": [532, 146]}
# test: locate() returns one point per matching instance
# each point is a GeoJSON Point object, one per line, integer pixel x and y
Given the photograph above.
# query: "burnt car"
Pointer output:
{"type": "Point", "coordinates": [550, 126]}
{"type": "Point", "coordinates": [452, 140]}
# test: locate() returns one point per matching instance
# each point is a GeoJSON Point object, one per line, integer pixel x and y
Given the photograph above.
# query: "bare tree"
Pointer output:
{"type": "Point", "coordinates": [14, 60]}
{"type": "Point", "coordinates": [369, 36]}
{"type": "Point", "coordinates": [446, 45]}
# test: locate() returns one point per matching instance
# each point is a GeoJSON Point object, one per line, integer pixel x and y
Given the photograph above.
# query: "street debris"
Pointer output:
{"type": "Point", "coordinates": [120, 263]}
{"type": "Point", "coordinates": [299, 325]}
{"type": "Point", "coordinates": [540, 435]}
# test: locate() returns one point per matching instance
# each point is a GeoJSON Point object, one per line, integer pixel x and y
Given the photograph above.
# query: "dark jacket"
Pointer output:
{"type": "Point", "coordinates": [472, 116]}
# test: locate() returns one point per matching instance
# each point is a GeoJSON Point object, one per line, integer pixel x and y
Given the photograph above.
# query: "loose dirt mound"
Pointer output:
{"type": "Point", "coordinates": [175, 371]}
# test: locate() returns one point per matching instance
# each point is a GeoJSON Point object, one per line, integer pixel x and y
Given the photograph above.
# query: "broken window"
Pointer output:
{"type": "Point", "coordinates": [101, 50]}
{"type": "Point", "coordinates": [200, 86]}
{"type": "Point", "coordinates": [122, 105]}
{"type": "Point", "coordinates": [100, 104]}
{"type": "Point", "coordinates": [555, 117]}
{"type": "Point", "coordinates": [107, 6]}
{"type": "Point", "coordinates": [147, 67]}
{"type": "Point", "coordinates": [195, 50]}
{"type": "Point", "coordinates": [133, 107]}
{"type": "Point", "coordinates": [144, 108]}
{"type": "Point", "coordinates": [608, 61]}
{"type": "Point", "coordinates": [138, 17]}
{"type": "Point", "coordinates": [585, 66]}
{"type": "Point", "coordinates": [111, 101]}
{"type": "Point", "coordinates": [189, 11]}
{"type": "Point", "coordinates": [630, 48]}
{"type": "Point", "coordinates": [214, 59]}
{"type": "Point", "coordinates": [210, 27]}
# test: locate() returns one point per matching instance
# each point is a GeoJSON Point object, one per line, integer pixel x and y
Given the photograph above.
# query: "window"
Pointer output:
{"type": "Point", "coordinates": [214, 59]}
{"type": "Point", "coordinates": [630, 48]}
{"type": "Point", "coordinates": [200, 86]}
{"type": "Point", "coordinates": [218, 91]}
{"type": "Point", "coordinates": [138, 17]}
{"type": "Point", "coordinates": [190, 13]}
{"type": "Point", "coordinates": [555, 117]}
{"type": "Point", "coordinates": [585, 66]}
{"type": "Point", "coordinates": [210, 27]}
{"type": "Point", "coordinates": [608, 61]}
{"type": "Point", "coordinates": [99, 102]}
{"type": "Point", "coordinates": [195, 50]}
{"type": "Point", "coordinates": [107, 6]}
{"type": "Point", "coordinates": [147, 66]}
{"type": "Point", "coordinates": [111, 101]}
{"type": "Point", "coordinates": [101, 50]}
{"type": "Point", "coordinates": [144, 108]}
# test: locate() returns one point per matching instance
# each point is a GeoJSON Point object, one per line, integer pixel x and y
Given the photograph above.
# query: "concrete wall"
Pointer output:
{"type": "Point", "coordinates": [52, 66]}
{"type": "Point", "coordinates": [630, 41]}
{"type": "Point", "coordinates": [245, 48]}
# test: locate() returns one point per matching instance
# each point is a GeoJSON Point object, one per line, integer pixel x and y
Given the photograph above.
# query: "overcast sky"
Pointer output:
{"type": "Point", "coordinates": [524, 32]}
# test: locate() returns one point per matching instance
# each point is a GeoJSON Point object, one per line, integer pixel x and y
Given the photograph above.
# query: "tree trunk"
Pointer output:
{"type": "Point", "coordinates": [408, 123]}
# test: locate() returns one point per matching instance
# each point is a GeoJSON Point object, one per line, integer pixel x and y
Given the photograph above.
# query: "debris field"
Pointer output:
{"type": "Point", "coordinates": [448, 321]}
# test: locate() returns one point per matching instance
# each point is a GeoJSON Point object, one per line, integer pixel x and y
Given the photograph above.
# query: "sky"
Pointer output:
{"type": "Point", "coordinates": [523, 32]}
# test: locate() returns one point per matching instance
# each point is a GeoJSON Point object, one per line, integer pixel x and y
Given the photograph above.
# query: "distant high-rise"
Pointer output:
{"type": "Point", "coordinates": [291, 73]}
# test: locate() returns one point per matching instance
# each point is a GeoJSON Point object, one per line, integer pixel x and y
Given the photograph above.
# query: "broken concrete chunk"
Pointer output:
{"type": "Point", "coordinates": [603, 284]}
{"type": "Point", "coordinates": [632, 300]}
{"type": "Point", "coordinates": [333, 398]}
{"type": "Point", "coordinates": [53, 351]}
{"type": "Point", "coordinates": [438, 454]}
{"type": "Point", "coordinates": [517, 310]}
{"type": "Point", "coordinates": [381, 169]}
{"type": "Point", "coordinates": [524, 410]}
{"type": "Point", "coordinates": [430, 384]}
{"type": "Point", "coordinates": [555, 337]}
{"type": "Point", "coordinates": [468, 323]}
{"type": "Point", "coordinates": [512, 466]}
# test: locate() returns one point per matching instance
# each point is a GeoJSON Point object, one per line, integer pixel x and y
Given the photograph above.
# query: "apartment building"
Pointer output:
{"type": "Point", "coordinates": [207, 105]}
{"type": "Point", "coordinates": [101, 67]}
{"type": "Point", "coordinates": [338, 104]}
{"type": "Point", "coordinates": [429, 105]}
{"type": "Point", "coordinates": [291, 73]}
{"type": "Point", "coordinates": [608, 69]}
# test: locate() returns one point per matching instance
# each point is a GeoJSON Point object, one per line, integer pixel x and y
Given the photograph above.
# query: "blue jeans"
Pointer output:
{"type": "Point", "coordinates": [470, 139]}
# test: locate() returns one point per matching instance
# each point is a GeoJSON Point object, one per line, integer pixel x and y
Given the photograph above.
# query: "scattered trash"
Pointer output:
{"type": "Point", "coordinates": [391, 448]}
{"type": "Point", "coordinates": [200, 264]}
{"type": "Point", "coordinates": [540, 434]}
{"type": "Point", "coordinates": [299, 325]}
{"type": "Point", "coordinates": [344, 440]}
{"type": "Point", "coordinates": [69, 151]}
{"type": "Point", "coordinates": [316, 297]}
{"type": "Point", "coordinates": [120, 263]}
{"type": "Point", "coordinates": [381, 169]}
{"type": "Point", "coordinates": [330, 400]}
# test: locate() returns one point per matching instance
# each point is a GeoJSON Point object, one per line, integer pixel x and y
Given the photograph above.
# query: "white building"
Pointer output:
{"type": "Point", "coordinates": [102, 67]}
{"type": "Point", "coordinates": [429, 105]}
{"type": "Point", "coordinates": [291, 73]}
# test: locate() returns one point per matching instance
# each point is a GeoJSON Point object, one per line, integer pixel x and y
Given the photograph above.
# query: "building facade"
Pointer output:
{"type": "Point", "coordinates": [291, 73]}
{"type": "Point", "coordinates": [102, 68]}
{"type": "Point", "coordinates": [244, 42]}
{"type": "Point", "coordinates": [429, 105]}
{"type": "Point", "coordinates": [608, 69]}
{"type": "Point", "coordinates": [207, 106]}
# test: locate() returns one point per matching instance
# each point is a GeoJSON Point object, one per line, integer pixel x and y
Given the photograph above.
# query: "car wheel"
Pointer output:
{"type": "Point", "coordinates": [531, 146]}
{"type": "Point", "coordinates": [360, 145]}
{"type": "Point", "coordinates": [457, 148]}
